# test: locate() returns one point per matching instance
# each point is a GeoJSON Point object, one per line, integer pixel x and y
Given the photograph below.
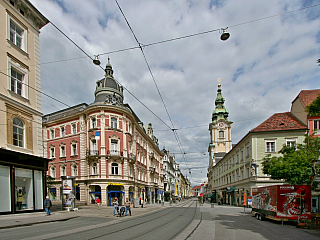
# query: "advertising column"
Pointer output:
{"type": "Point", "coordinates": [68, 192]}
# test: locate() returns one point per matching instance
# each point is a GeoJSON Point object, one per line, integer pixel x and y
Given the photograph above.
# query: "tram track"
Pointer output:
{"type": "Point", "coordinates": [167, 212]}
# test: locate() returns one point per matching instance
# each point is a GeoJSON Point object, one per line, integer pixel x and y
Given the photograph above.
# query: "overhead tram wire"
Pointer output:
{"type": "Point", "coordinates": [182, 37]}
{"type": "Point", "coordinates": [145, 58]}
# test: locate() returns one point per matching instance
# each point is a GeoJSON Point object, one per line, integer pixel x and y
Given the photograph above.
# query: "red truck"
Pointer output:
{"type": "Point", "coordinates": [282, 202]}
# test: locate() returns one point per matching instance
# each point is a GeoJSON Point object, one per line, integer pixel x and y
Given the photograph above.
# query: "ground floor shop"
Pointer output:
{"type": "Point", "coordinates": [22, 182]}
{"type": "Point", "coordinates": [88, 192]}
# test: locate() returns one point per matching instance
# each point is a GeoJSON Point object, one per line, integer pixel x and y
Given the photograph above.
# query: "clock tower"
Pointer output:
{"type": "Point", "coordinates": [220, 130]}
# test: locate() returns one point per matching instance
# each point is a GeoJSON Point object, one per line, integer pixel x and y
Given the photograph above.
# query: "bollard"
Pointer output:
{"type": "Point", "coordinates": [212, 205]}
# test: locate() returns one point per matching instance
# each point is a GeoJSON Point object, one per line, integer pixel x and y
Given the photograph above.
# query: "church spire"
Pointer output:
{"type": "Point", "coordinates": [220, 111]}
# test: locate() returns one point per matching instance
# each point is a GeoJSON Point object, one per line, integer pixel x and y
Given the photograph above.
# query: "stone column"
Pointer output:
{"type": "Point", "coordinates": [104, 194]}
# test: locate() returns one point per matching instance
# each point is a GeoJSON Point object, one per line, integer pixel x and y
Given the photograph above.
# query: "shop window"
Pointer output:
{"type": "Point", "coordinates": [18, 132]}
{"type": "Point", "coordinates": [38, 189]}
{"type": "Point", "coordinates": [5, 196]}
{"type": "Point", "coordinates": [24, 189]}
{"type": "Point", "coordinates": [114, 169]}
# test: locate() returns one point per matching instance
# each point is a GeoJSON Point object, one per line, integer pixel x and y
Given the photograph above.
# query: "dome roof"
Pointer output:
{"type": "Point", "coordinates": [107, 89]}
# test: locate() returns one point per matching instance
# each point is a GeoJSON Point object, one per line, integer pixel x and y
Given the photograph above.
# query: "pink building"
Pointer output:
{"type": "Point", "coordinates": [105, 146]}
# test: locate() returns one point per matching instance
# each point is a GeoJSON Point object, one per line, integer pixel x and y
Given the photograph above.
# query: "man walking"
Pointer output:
{"type": "Point", "coordinates": [47, 204]}
{"type": "Point", "coordinates": [98, 201]}
{"type": "Point", "coordinates": [128, 206]}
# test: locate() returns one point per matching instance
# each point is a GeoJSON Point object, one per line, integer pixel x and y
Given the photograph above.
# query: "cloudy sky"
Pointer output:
{"type": "Point", "coordinates": [268, 59]}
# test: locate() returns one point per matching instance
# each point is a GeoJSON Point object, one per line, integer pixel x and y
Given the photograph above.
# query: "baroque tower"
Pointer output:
{"type": "Point", "coordinates": [220, 130]}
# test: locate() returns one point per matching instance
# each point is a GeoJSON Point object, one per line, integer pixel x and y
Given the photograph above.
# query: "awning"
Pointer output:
{"type": "Point", "coordinates": [212, 194]}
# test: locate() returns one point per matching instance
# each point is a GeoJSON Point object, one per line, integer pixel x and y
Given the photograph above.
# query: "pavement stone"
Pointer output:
{"type": "Point", "coordinates": [26, 219]}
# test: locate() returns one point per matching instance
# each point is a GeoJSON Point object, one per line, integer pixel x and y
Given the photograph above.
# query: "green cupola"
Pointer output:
{"type": "Point", "coordinates": [220, 112]}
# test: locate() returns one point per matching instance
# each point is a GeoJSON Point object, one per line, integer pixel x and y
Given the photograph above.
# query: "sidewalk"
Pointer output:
{"type": "Point", "coordinates": [26, 219]}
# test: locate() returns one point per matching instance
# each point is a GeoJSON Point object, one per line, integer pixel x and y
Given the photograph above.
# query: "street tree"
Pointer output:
{"type": "Point", "coordinates": [314, 108]}
{"type": "Point", "coordinates": [296, 165]}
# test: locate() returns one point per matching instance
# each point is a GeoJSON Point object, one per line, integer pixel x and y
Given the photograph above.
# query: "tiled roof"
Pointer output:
{"type": "Point", "coordinates": [308, 96]}
{"type": "Point", "coordinates": [280, 122]}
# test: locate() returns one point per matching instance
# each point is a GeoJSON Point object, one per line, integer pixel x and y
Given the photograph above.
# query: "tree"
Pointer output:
{"type": "Point", "coordinates": [314, 108]}
{"type": "Point", "coordinates": [296, 165]}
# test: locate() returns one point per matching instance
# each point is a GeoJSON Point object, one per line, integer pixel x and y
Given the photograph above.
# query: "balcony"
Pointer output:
{"type": "Point", "coordinates": [132, 157]}
{"type": "Point", "coordinates": [114, 153]}
{"type": "Point", "coordinates": [92, 152]}
{"type": "Point", "coordinates": [152, 169]}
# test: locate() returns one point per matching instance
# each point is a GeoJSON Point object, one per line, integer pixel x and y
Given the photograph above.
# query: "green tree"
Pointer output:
{"type": "Point", "coordinates": [314, 108]}
{"type": "Point", "coordinates": [296, 165]}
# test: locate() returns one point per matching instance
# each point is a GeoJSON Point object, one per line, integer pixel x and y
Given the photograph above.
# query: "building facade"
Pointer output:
{"type": "Point", "coordinates": [22, 167]}
{"type": "Point", "coordinates": [105, 147]}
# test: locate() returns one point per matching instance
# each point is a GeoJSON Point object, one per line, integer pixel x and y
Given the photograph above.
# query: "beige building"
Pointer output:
{"type": "Point", "coordinates": [22, 167]}
{"type": "Point", "coordinates": [20, 96]}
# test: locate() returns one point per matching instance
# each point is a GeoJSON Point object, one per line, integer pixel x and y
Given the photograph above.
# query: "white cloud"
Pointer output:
{"type": "Point", "coordinates": [263, 65]}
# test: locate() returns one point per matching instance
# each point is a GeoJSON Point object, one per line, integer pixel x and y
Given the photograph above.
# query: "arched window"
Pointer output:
{"type": "Point", "coordinates": [94, 169]}
{"type": "Point", "coordinates": [17, 132]}
{"type": "Point", "coordinates": [221, 134]}
{"type": "Point", "coordinates": [53, 172]}
{"type": "Point", "coordinates": [114, 169]}
{"type": "Point", "coordinates": [63, 171]}
{"type": "Point", "coordinates": [75, 170]}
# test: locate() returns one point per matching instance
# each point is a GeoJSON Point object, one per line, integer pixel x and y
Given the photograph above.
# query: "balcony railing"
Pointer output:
{"type": "Point", "coordinates": [152, 169]}
{"type": "Point", "coordinates": [114, 153]}
{"type": "Point", "coordinates": [132, 156]}
{"type": "Point", "coordinates": [93, 152]}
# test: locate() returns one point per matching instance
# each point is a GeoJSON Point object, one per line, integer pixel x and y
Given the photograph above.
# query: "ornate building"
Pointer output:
{"type": "Point", "coordinates": [105, 147]}
{"type": "Point", "coordinates": [22, 167]}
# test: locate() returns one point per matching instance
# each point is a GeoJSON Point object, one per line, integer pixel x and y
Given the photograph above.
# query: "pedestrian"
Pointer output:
{"type": "Point", "coordinates": [115, 206]}
{"type": "Point", "coordinates": [98, 202]}
{"type": "Point", "coordinates": [47, 204]}
{"type": "Point", "coordinates": [142, 203]}
{"type": "Point", "coordinates": [128, 206]}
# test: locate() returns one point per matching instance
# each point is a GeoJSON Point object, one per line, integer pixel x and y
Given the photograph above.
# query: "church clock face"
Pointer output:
{"type": "Point", "coordinates": [221, 125]}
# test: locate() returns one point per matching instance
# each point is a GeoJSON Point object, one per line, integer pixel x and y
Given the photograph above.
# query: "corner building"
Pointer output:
{"type": "Point", "coordinates": [106, 147]}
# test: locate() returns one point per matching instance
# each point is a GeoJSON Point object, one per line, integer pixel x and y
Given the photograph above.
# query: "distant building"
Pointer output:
{"type": "Point", "coordinates": [106, 147]}
{"type": "Point", "coordinates": [22, 166]}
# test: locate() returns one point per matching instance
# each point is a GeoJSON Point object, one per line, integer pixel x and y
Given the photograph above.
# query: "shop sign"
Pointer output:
{"type": "Point", "coordinates": [115, 184]}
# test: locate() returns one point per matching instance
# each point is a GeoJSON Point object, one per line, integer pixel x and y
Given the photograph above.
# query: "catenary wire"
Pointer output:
{"type": "Point", "coordinates": [149, 68]}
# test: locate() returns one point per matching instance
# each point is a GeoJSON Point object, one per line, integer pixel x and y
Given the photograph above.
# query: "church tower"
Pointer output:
{"type": "Point", "coordinates": [220, 130]}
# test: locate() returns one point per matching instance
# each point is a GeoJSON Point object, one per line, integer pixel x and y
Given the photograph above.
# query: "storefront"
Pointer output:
{"type": "Point", "coordinates": [22, 182]}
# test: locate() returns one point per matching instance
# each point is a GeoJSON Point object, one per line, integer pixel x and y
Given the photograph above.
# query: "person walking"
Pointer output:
{"type": "Point", "coordinates": [98, 202]}
{"type": "Point", "coordinates": [128, 206]}
{"type": "Point", "coordinates": [115, 206]}
{"type": "Point", "coordinates": [142, 203]}
{"type": "Point", "coordinates": [47, 204]}
{"type": "Point", "coordinates": [19, 199]}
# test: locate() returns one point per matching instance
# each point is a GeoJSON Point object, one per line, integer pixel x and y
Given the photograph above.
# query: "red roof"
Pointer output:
{"type": "Point", "coordinates": [307, 96]}
{"type": "Point", "coordinates": [280, 121]}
